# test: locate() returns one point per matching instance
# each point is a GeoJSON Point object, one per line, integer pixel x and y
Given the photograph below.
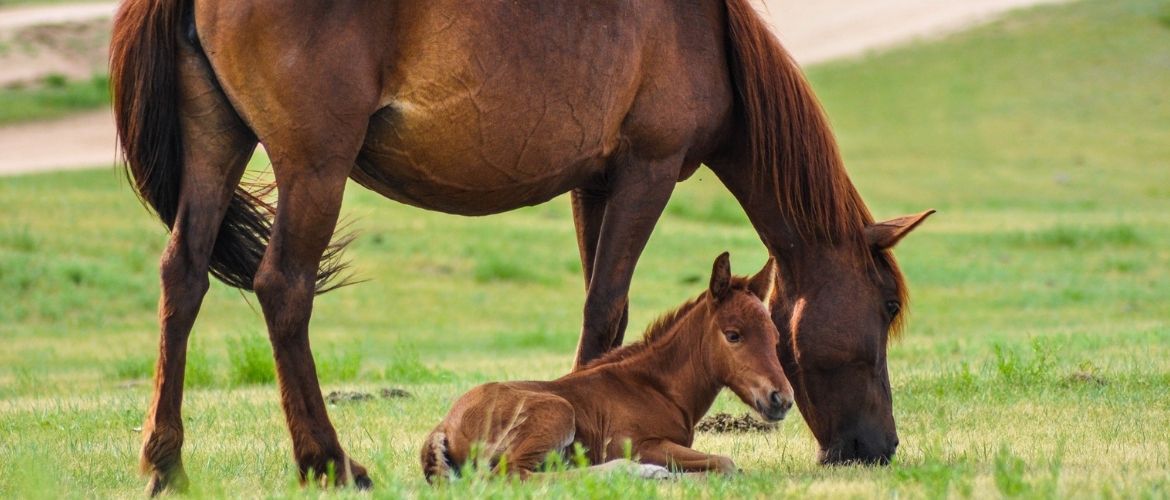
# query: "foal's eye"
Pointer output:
{"type": "Point", "coordinates": [893, 308]}
{"type": "Point", "coordinates": [733, 336]}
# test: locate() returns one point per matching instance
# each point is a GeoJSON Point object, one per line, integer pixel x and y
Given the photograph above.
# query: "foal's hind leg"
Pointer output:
{"type": "Point", "coordinates": [547, 424]}
{"type": "Point", "coordinates": [217, 147]}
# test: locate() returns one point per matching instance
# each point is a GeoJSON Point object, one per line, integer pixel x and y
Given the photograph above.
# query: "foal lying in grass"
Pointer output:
{"type": "Point", "coordinates": [649, 394]}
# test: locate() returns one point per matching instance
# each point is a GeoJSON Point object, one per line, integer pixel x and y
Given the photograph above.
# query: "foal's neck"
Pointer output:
{"type": "Point", "coordinates": [677, 366]}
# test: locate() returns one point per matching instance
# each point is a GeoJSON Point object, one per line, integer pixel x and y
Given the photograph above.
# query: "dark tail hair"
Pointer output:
{"type": "Point", "coordinates": [436, 459]}
{"type": "Point", "coordinates": [144, 51]}
{"type": "Point", "coordinates": [791, 143]}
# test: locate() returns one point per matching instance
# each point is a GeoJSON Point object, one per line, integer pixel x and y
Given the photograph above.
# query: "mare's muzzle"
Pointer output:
{"type": "Point", "coordinates": [872, 448]}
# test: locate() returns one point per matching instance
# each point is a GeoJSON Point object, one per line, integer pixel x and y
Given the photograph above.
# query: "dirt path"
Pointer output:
{"type": "Point", "coordinates": [77, 142]}
{"type": "Point", "coordinates": [814, 32]}
{"type": "Point", "coordinates": [12, 18]}
{"type": "Point", "coordinates": [820, 30]}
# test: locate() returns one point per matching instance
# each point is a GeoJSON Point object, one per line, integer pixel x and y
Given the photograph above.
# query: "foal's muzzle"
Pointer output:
{"type": "Point", "coordinates": [776, 407]}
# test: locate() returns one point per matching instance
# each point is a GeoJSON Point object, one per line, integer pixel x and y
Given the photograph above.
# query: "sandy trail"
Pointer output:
{"type": "Point", "coordinates": [77, 142]}
{"type": "Point", "coordinates": [814, 31]}
{"type": "Point", "coordinates": [822, 30]}
{"type": "Point", "coordinates": [13, 18]}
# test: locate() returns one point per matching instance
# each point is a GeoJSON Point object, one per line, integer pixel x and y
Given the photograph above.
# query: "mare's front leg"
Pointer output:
{"type": "Point", "coordinates": [676, 456]}
{"type": "Point", "coordinates": [588, 212]}
{"type": "Point", "coordinates": [637, 193]}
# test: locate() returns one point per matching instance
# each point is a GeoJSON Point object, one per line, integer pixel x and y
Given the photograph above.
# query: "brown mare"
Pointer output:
{"type": "Point", "coordinates": [648, 394]}
{"type": "Point", "coordinates": [477, 108]}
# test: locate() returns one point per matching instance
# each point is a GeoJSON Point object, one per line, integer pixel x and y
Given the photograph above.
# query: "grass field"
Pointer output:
{"type": "Point", "coordinates": [1036, 364]}
{"type": "Point", "coordinates": [53, 98]}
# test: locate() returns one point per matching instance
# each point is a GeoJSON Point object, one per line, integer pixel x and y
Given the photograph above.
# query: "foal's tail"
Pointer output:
{"type": "Point", "coordinates": [436, 459]}
{"type": "Point", "coordinates": [144, 78]}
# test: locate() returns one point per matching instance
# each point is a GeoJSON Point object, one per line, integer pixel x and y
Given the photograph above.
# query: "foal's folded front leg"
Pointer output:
{"type": "Point", "coordinates": [676, 456]}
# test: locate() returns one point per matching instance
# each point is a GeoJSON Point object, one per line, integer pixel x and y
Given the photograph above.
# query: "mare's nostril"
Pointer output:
{"type": "Point", "coordinates": [775, 398]}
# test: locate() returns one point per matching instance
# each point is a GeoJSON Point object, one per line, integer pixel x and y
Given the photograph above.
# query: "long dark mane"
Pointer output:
{"type": "Point", "coordinates": [791, 144]}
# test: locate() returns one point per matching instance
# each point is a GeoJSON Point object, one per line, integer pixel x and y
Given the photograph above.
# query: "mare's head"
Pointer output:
{"type": "Point", "coordinates": [837, 310]}
{"type": "Point", "coordinates": [740, 340]}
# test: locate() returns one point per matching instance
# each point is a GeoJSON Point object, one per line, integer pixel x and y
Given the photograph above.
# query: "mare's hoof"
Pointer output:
{"type": "Point", "coordinates": [174, 481]}
{"type": "Point", "coordinates": [362, 481]}
{"type": "Point", "coordinates": [353, 474]}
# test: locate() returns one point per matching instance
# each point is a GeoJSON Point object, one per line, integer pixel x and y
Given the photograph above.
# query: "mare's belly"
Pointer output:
{"type": "Point", "coordinates": [462, 156]}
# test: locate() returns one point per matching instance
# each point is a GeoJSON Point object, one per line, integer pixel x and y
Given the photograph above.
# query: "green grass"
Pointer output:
{"type": "Point", "coordinates": [55, 98]}
{"type": "Point", "coordinates": [1036, 363]}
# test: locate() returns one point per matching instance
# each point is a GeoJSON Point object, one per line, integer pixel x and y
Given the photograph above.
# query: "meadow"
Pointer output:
{"type": "Point", "coordinates": [1036, 363]}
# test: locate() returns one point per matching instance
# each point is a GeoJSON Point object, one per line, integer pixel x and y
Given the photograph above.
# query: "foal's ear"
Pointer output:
{"type": "Point", "coordinates": [884, 235]}
{"type": "Point", "coordinates": [764, 281]}
{"type": "Point", "coordinates": [721, 276]}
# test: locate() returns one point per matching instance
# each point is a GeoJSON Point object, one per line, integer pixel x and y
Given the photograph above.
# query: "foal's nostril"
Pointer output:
{"type": "Point", "coordinates": [779, 402]}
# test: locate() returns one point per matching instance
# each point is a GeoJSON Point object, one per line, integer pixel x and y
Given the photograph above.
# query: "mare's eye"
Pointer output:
{"type": "Point", "coordinates": [893, 308]}
{"type": "Point", "coordinates": [733, 336]}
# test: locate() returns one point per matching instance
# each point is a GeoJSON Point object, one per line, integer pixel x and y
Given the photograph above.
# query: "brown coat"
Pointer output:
{"type": "Point", "coordinates": [647, 396]}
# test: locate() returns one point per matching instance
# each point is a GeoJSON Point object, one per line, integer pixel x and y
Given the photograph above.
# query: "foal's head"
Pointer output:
{"type": "Point", "coordinates": [740, 339]}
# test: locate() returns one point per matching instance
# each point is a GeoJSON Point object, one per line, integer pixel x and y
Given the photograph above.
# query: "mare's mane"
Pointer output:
{"type": "Point", "coordinates": [791, 145]}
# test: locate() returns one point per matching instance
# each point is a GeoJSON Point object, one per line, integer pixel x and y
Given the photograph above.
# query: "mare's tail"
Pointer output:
{"type": "Point", "coordinates": [144, 78]}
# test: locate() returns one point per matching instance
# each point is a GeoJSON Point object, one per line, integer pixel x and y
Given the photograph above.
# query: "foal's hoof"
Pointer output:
{"type": "Point", "coordinates": [174, 481]}
{"type": "Point", "coordinates": [636, 469]}
{"type": "Point", "coordinates": [651, 471]}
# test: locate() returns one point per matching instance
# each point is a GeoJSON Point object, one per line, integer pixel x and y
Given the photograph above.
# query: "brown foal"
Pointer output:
{"type": "Point", "coordinates": [649, 394]}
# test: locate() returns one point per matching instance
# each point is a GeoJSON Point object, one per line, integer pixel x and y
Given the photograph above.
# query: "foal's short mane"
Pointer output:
{"type": "Point", "coordinates": [791, 144]}
{"type": "Point", "coordinates": [656, 333]}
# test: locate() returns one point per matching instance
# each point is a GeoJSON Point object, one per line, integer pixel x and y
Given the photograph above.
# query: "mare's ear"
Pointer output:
{"type": "Point", "coordinates": [721, 276]}
{"type": "Point", "coordinates": [884, 235]}
{"type": "Point", "coordinates": [764, 281]}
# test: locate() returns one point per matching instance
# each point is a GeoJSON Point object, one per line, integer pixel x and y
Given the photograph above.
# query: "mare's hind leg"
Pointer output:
{"type": "Point", "coordinates": [307, 209]}
{"type": "Point", "coordinates": [637, 193]}
{"type": "Point", "coordinates": [309, 98]}
{"type": "Point", "coordinates": [311, 169]}
{"type": "Point", "coordinates": [217, 147]}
